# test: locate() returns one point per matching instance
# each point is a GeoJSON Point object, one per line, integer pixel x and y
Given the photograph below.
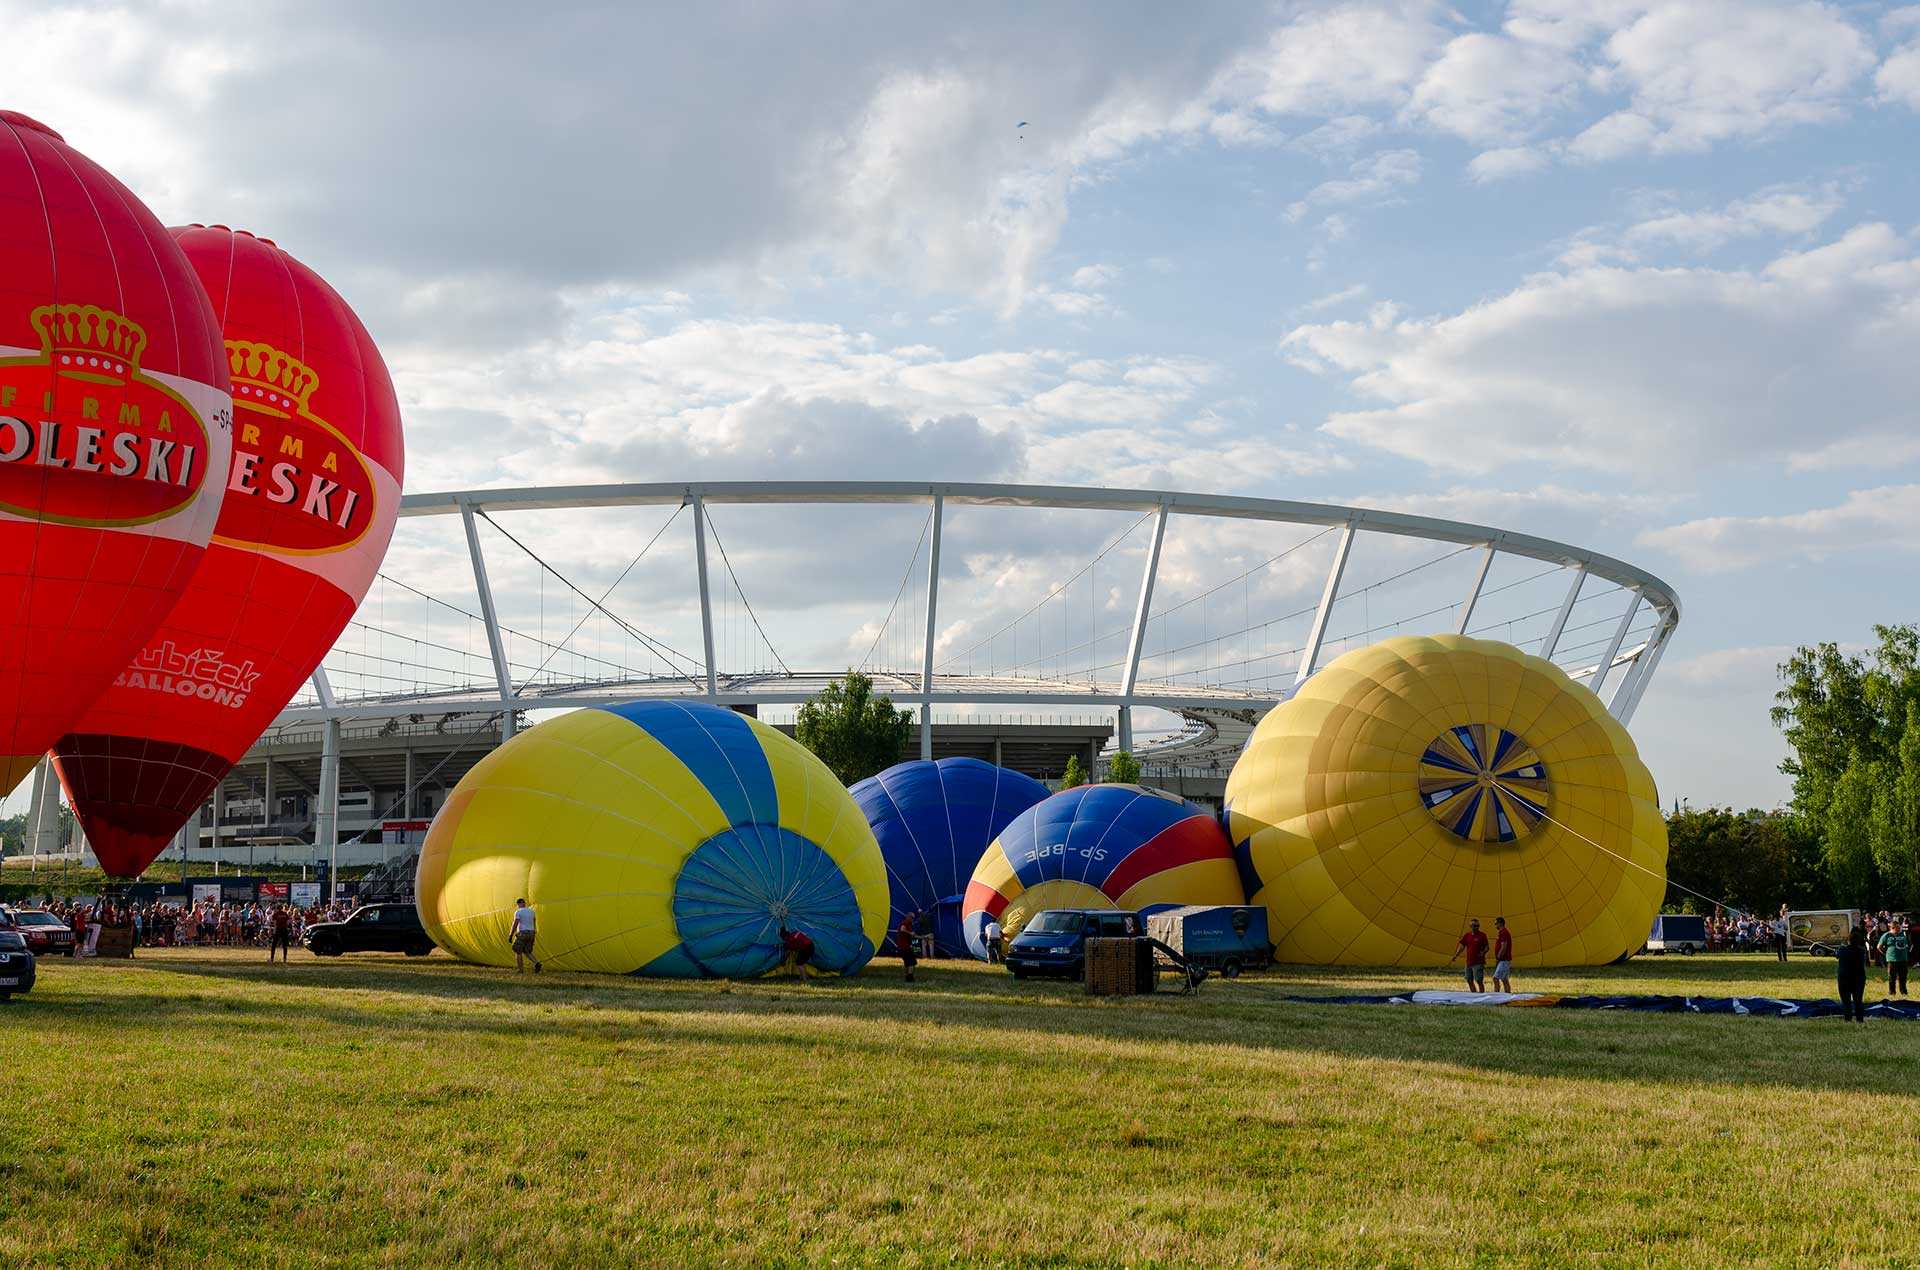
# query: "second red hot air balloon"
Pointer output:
{"type": "Point", "coordinates": [311, 497]}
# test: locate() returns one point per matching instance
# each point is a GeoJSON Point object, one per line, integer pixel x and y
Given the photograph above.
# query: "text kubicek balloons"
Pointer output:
{"type": "Point", "coordinates": [114, 410]}
{"type": "Point", "coordinates": [311, 497]}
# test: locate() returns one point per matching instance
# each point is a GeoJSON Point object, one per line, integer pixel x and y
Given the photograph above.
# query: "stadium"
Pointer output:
{"type": "Point", "coordinates": [1183, 621]}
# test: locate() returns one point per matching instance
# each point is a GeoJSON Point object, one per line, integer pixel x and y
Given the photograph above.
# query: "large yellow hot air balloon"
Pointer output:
{"type": "Point", "coordinates": [1423, 781]}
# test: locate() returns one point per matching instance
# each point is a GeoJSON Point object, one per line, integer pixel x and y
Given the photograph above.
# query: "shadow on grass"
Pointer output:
{"type": "Point", "coordinates": [353, 999]}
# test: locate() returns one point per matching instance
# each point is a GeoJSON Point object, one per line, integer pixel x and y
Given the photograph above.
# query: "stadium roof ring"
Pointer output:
{"type": "Point", "coordinates": [1627, 650]}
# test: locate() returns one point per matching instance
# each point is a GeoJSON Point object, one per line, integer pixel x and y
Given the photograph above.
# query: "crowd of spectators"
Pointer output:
{"type": "Point", "coordinates": [1751, 932]}
{"type": "Point", "coordinates": [162, 924]}
{"type": "Point", "coordinates": [1745, 932]}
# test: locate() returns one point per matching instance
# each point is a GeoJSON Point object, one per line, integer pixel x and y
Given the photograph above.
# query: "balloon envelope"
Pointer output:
{"type": "Point", "coordinates": [658, 838]}
{"type": "Point", "coordinates": [934, 820]}
{"type": "Point", "coordinates": [311, 496]}
{"type": "Point", "coordinates": [1100, 846]}
{"type": "Point", "coordinates": [114, 432]}
{"type": "Point", "coordinates": [1423, 781]}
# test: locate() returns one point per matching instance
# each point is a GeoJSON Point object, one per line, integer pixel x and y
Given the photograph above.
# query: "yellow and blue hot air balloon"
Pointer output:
{"type": "Point", "coordinates": [1420, 782]}
{"type": "Point", "coordinates": [656, 838]}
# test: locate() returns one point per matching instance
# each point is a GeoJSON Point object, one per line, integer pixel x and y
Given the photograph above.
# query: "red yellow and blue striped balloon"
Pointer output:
{"type": "Point", "coordinates": [656, 838]}
{"type": "Point", "coordinates": [1100, 846]}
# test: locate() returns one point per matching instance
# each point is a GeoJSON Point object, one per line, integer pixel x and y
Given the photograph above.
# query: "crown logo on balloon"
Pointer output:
{"type": "Point", "coordinates": [88, 337]}
{"type": "Point", "coordinates": [264, 374]}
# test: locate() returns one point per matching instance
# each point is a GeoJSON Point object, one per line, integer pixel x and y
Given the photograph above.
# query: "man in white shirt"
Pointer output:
{"type": "Point", "coordinates": [993, 942]}
{"type": "Point", "coordinates": [523, 937]}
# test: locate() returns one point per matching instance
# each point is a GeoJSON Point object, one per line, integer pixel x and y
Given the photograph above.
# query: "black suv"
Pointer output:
{"type": "Point", "coordinates": [375, 928]}
{"type": "Point", "coordinates": [17, 965]}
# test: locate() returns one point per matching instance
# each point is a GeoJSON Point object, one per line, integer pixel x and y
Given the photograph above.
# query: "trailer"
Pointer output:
{"type": "Point", "coordinates": [1821, 931]}
{"type": "Point", "coordinates": [1227, 938]}
{"type": "Point", "coordinates": [1677, 932]}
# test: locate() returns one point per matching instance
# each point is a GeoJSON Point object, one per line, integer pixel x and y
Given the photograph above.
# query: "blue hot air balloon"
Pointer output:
{"type": "Point", "coordinates": [933, 821]}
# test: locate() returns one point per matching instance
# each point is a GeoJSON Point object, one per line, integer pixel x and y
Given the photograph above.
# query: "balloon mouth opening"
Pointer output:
{"type": "Point", "coordinates": [31, 124]}
{"type": "Point", "coordinates": [740, 889]}
{"type": "Point", "coordinates": [1484, 784]}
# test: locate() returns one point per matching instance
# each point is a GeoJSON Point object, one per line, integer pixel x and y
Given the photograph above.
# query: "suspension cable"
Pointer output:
{"type": "Point", "coordinates": [666, 651]}
{"type": "Point", "coordinates": [905, 578]}
{"type": "Point", "coordinates": [601, 602]}
{"type": "Point", "coordinates": [745, 602]}
{"type": "Point", "coordinates": [1104, 551]}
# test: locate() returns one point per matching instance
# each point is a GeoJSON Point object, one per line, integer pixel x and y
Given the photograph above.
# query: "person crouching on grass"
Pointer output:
{"type": "Point", "coordinates": [1474, 945]}
{"type": "Point", "coordinates": [1502, 956]}
{"type": "Point", "coordinates": [523, 937]}
{"type": "Point", "coordinates": [796, 951]}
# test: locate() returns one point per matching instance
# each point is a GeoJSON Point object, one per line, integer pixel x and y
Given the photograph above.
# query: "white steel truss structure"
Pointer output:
{"type": "Point", "coordinates": [1627, 666]}
{"type": "Point", "coordinates": [1126, 692]}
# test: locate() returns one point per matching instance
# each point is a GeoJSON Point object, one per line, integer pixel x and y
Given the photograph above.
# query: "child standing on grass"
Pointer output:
{"type": "Point", "coordinates": [523, 937]}
{"type": "Point", "coordinates": [1850, 967]}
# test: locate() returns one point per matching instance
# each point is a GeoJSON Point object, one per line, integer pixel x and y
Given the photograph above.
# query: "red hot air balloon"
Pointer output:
{"type": "Point", "coordinates": [114, 408]}
{"type": "Point", "coordinates": [311, 498]}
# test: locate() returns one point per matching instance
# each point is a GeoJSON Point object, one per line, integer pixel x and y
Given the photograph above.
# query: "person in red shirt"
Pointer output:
{"type": "Point", "coordinates": [1502, 956]}
{"type": "Point", "coordinates": [798, 946]}
{"type": "Point", "coordinates": [1474, 945]}
{"type": "Point", "coordinates": [282, 938]}
{"type": "Point", "coordinates": [905, 942]}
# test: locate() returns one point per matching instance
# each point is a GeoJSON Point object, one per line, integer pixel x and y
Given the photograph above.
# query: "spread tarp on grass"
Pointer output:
{"type": "Point", "coordinates": [1769, 1007]}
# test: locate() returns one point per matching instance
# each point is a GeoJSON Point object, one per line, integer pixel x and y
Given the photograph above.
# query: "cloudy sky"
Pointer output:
{"type": "Point", "coordinates": [1641, 274]}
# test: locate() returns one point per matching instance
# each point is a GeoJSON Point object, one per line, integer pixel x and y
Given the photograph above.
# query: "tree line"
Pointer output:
{"type": "Point", "coordinates": [1852, 722]}
{"type": "Point", "coordinates": [1850, 836]}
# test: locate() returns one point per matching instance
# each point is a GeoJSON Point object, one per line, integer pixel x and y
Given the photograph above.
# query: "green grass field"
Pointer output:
{"type": "Point", "coordinates": [193, 1107]}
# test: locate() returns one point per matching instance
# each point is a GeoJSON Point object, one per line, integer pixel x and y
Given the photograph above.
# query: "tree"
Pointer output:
{"type": "Point", "coordinates": [1755, 861]}
{"type": "Point", "coordinates": [1847, 830]}
{"type": "Point", "coordinates": [854, 732]}
{"type": "Point", "coordinates": [1851, 723]}
{"type": "Point", "coordinates": [1124, 769]}
{"type": "Point", "coordinates": [1894, 832]}
{"type": "Point", "coordinates": [1075, 775]}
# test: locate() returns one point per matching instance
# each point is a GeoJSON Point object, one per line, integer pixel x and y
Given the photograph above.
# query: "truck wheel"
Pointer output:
{"type": "Point", "coordinates": [1232, 969]}
{"type": "Point", "coordinates": [420, 950]}
{"type": "Point", "coordinates": [1019, 972]}
{"type": "Point", "coordinates": [1686, 950]}
{"type": "Point", "coordinates": [325, 950]}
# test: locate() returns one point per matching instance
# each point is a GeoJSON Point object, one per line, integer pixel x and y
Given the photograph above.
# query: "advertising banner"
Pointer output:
{"type": "Point", "coordinates": [274, 891]}
{"type": "Point", "coordinates": [206, 893]}
{"type": "Point", "coordinates": [1829, 928]}
{"type": "Point", "coordinates": [304, 894]}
